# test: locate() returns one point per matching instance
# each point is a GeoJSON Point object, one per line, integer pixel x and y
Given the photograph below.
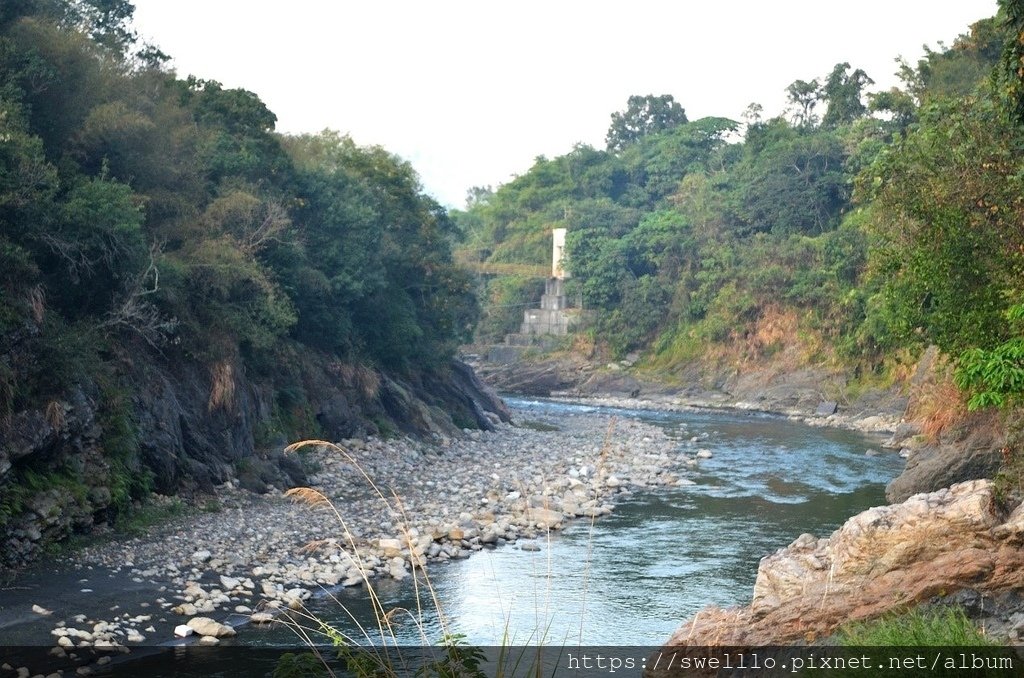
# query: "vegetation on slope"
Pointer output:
{"type": "Point", "coordinates": [869, 224]}
{"type": "Point", "coordinates": [144, 217]}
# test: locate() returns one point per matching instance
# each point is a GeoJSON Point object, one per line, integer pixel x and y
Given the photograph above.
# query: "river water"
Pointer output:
{"type": "Point", "coordinates": [633, 577]}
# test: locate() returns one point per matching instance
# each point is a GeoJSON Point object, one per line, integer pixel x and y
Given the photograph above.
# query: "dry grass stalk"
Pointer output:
{"type": "Point", "coordinates": [937, 404]}
{"type": "Point", "coordinates": [222, 386]}
{"type": "Point", "coordinates": [359, 377]}
{"type": "Point", "coordinates": [385, 618]}
{"type": "Point", "coordinates": [55, 414]}
{"type": "Point", "coordinates": [37, 303]}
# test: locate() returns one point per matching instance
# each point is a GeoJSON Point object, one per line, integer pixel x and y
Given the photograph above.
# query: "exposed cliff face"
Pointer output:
{"type": "Point", "coordinates": [186, 428]}
{"type": "Point", "coordinates": [886, 558]}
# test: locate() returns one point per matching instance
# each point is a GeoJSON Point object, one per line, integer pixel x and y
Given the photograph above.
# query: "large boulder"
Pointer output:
{"type": "Point", "coordinates": [884, 559]}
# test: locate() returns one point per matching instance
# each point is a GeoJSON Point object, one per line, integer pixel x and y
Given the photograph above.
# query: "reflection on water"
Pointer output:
{"type": "Point", "coordinates": [631, 578]}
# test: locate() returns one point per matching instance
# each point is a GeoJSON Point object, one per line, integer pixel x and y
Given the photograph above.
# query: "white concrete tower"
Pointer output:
{"type": "Point", "coordinates": [558, 254]}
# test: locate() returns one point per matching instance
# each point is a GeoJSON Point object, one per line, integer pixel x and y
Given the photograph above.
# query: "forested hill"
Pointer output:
{"type": "Point", "coordinates": [854, 229]}
{"type": "Point", "coordinates": [182, 288]}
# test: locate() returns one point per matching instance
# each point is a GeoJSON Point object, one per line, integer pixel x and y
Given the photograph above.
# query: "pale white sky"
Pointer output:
{"type": "Point", "coordinates": [471, 91]}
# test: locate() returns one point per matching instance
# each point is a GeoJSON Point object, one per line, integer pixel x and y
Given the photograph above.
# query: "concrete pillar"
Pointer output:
{"type": "Point", "coordinates": [558, 254]}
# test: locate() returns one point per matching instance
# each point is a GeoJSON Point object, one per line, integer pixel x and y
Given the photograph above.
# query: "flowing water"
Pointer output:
{"type": "Point", "coordinates": [632, 577]}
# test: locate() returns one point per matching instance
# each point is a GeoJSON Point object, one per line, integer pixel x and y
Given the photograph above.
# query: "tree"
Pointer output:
{"type": "Point", "coordinates": [643, 115]}
{"type": "Point", "coordinates": [1009, 74]}
{"type": "Point", "coordinates": [803, 98]}
{"type": "Point", "coordinates": [842, 92]}
{"type": "Point", "coordinates": [948, 234]}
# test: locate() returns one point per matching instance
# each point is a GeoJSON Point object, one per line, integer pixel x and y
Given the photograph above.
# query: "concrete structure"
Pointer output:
{"type": "Point", "coordinates": [551, 317]}
{"type": "Point", "coordinates": [558, 254]}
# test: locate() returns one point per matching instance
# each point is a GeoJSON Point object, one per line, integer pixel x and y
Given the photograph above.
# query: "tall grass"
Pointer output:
{"type": "Point", "coordinates": [375, 650]}
{"type": "Point", "coordinates": [947, 626]}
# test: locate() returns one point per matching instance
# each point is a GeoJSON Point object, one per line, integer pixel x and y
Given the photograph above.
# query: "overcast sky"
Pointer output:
{"type": "Point", "coordinates": [471, 91]}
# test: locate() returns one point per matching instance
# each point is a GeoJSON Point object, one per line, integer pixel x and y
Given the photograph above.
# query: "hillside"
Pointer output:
{"type": "Point", "coordinates": [183, 290]}
{"type": "Point", "coordinates": [844, 236]}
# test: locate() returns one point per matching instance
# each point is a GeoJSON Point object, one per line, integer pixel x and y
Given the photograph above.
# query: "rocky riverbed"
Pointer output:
{"type": "Point", "coordinates": [374, 508]}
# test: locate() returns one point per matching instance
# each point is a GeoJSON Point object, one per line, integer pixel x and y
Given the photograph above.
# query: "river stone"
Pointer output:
{"type": "Point", "coordinates": [185, 609]}
{"type": "Point", "coordinates": [390, 547]}
{"type": "Point", "coordinates": [261, 618]}
{"type": "Point", "coordinates": [531, 546]}
{"type": "Point", "coordinates": [826, 408]}
{"type": "Point", "coordinates": [544, 517]}
{"type": "Point", "coordinates": [205, 626]}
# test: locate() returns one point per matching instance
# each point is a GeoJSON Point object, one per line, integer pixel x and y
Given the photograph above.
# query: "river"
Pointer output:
{"type": "Point", "coordinates": [632, 577]}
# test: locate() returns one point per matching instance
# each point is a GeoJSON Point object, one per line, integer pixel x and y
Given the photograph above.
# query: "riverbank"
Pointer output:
{"type": "Point", "coordinates": [863, 421]}
{"type": "Point", "coordinates": [251, 554]}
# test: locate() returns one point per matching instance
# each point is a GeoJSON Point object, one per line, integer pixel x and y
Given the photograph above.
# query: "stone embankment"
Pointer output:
{"type": "Point", "coordinates": [375, 508]}
{"type": "Point", "coordinates": [887, 558]}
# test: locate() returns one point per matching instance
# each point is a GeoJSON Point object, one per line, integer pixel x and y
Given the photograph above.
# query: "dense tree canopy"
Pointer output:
{"type": "Point", "coordinates": [643, 115]}
{"type": "Point", "coordinates": [881, 221]}
{"type": "Point", "coordinates": [141, 210]}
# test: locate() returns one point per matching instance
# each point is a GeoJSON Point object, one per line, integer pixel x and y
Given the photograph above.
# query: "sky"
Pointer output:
{"type": "Point", "coordinates": [472, 91]}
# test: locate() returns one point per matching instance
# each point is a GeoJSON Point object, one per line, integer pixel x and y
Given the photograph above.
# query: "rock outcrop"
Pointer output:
{"type": "Point", "coordinates": [885, 559]}
{"type": "Point", "coordinates": [188, 428]}
{"type": "Point", "coordinates": [972, 451]}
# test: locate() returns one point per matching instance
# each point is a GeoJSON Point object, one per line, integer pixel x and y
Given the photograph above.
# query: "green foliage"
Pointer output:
{"type": "Point", "coordinates": [946, 248]}
{"type": "Point", "coordinates": [946, 626]}
{"type": "Point", "coordinates": [299, 665]}
{"type": "Point", "coordinates": [504, 299]}
{"type": "Point", "coordinates": [995, 377]}
{"type": "Point", "coordinates": [644, 115]}
{"type": "Point", "coordinates": [1008, 77]}
{"type": "Point", "coordinates": [843, 92]}
{"type": "Point", "coordinates": [147, 218]}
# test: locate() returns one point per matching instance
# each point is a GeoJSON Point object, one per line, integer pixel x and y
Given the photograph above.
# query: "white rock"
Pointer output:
{"type": "Point", "coordinates": [41, 610]}
{"type": "Point", "coordinates": [64, 641]}
{"type": "Point", "coordinates": [229, 583]}
{"type": "Point", "coordinates": [704, 454]}
{"type": "Point", "coordinates": [390, 547]}
{"type": "Point", "coordinates": [205, 626]}
{"type": "Point", "coordinates": [209, 640]}
{"type": "Point", "coordinates": [544, 517]}
{"type": "Point", "coordinates": [261, 618]}
{"type": "Point", "coordinates": [183, 631]}
{"type": "Point", "coordinates": [201, 556]}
